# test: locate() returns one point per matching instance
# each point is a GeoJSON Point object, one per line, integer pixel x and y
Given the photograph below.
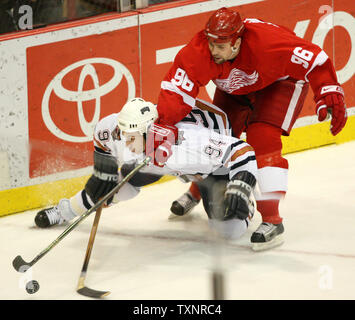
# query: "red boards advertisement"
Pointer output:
{"type": "Point", "coordinates": [71, 85]}
{"type": "Point", "coordinates": [74, 83]}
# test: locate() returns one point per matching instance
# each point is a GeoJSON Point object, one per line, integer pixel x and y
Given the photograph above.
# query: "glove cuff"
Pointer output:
{"type": "Point", "coordinates": [246, 177]}
{"type": "Point", "coordinates": [325, 90]}
{"type": "Point", "coordinates": [239, 187]}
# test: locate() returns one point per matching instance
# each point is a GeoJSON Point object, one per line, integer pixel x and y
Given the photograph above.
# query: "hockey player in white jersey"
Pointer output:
{"type": "Point", "coordinates": [200, 148]}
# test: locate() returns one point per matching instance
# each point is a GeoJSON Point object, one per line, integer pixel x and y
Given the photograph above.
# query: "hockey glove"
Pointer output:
{"type": "Point", "coordinates": [160, 139]}
{"type": "Point", "coordinates": [104, 178]}
{"type": "Point", "coordinates": [236, 197]}
{"type": "Point", "coordinates": [330, 102]}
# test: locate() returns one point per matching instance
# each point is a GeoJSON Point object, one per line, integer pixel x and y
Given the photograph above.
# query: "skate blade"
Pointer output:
{"type": "Point", "coordinates": [262, 246]}
{"type": "Point", "coordinates": [174, 216]}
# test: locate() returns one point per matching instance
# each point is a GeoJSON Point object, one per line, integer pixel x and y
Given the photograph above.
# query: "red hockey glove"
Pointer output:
{"type": "Point", "coordinates": [330, 102]}
{"type": "Point", "coordinates": [160, 138]}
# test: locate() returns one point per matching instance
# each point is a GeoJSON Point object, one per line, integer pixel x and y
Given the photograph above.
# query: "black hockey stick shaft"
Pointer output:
{"type": "Point", "coordinates": [218, 285]}
{"type": "Point", "coordinates": [21, 266]}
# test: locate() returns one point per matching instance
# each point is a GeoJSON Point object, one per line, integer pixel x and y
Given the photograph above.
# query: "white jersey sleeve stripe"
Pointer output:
{"type": "Point", "coordinates": [228, 153]}
{"type": "Point", "coordinates": [318, 61]}
{"type": "Point", "coordinates": [167, 85]}
{"type": "Point", "coordinates": [246, 164]}
{"type": "Point", "coordinates": [293, 104]}
{"type": "Point", "coordinates": [203, 105]}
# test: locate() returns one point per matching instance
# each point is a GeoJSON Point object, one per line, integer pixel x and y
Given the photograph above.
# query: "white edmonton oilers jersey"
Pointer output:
{"type": "Point", "coordinates": [205, 145]}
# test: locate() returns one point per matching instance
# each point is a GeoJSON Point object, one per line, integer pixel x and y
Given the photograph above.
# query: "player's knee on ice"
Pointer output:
{"type": "Point", "coordinates": [212, 191]}
{"type": "Point", "coordinates": [230, 229]}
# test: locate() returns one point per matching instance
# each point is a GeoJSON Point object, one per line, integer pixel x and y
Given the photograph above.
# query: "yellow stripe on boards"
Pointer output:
{"type": "Point", "coordinates": [42, 195]}
{"type": "Point", "coordinates": [317, 135]}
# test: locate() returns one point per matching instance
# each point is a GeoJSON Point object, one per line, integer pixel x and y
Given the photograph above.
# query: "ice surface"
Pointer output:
{"type": "Point", "coordinates": [140, 254]}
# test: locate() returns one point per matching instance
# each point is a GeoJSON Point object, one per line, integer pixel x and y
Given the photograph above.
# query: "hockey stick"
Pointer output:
{"type": "Point", "coordinates": [218, 285]}
{"type": "Point", "coordinates": [21, 265]}
{"type": "Point", "coordinates": [82, 289]}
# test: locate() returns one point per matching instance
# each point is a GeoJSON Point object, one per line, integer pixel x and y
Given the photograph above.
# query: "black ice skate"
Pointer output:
{"type": "Point", "coordinates": [48, 217]}
{"type": "Point", "coordinates": [267, 236]}
{"type": "Point", "coordinates": [54, 215]}
{"type": "Point", "coordinates": [183, 205]}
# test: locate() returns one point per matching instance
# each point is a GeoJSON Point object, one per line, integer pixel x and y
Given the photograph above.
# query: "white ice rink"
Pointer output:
{"type": "Point", "coordinates": [139, 254]}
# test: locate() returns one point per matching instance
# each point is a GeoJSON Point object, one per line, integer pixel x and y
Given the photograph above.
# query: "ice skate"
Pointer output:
{"type": "Point", "coordinates": [55, 215]}
{"type": "Point", "coordinates": [183, 205]}
{"type": "Point", "coordinates": [267, 236]}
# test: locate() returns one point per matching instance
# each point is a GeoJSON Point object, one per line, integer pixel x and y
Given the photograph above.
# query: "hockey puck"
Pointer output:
{"type": "Point", "coordinates": [32, 286]}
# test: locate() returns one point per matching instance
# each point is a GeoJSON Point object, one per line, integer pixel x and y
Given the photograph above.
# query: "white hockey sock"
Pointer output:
{"type": "Point", "coordinates": [80, 203]}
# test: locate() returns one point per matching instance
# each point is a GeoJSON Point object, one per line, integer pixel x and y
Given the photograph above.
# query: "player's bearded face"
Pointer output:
{"type": "Point", "coordinates": [221, 52]}
{"type": "Point", "coordinates": [134, 142]}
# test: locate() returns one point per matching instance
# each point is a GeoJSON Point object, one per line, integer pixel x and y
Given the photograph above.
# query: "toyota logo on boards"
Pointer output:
{"type": "Point", "coordinates": [80, 95]}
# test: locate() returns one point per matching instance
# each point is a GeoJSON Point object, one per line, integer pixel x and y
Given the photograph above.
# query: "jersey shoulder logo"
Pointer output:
{"type": "Point", "coordinates": [236, 80]}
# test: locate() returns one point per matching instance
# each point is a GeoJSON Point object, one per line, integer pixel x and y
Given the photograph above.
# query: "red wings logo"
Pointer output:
{"type": "Point", "coordinates": [236, 80]}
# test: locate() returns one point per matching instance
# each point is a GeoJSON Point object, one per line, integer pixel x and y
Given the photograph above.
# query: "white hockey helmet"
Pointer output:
{"type": "Point", "coordinates": [137, 115]}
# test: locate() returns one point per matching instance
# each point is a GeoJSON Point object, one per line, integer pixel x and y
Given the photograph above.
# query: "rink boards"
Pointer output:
{"type": "Point", "coordinates": [58, 81]}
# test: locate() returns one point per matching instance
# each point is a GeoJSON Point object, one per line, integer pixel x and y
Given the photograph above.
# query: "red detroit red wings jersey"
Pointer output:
{"type": "Point", "coordinates": [268, 53]}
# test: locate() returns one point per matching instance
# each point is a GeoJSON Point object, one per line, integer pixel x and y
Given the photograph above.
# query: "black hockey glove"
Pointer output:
{"type": "Point", "coordinates": [236, 197]}
{"type": "Point", "coordinates": [104, 178]}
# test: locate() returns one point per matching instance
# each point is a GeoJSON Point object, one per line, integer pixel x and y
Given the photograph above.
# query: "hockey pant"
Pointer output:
{"type": "Point", "coordinates": [272, 170]}
{"type": "Point", "coordinates": [212, 191]}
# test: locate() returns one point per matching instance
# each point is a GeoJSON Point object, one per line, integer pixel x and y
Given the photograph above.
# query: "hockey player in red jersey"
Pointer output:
{"type": "Point", "coordinates": [262, 72]}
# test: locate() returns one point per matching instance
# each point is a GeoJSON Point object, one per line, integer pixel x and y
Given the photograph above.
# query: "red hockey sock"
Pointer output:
{"type": "Point", "coordinates": [266, 141]}
{"type": "Point", "coordinates": [194, 190]}
{"type": "Point", "coordinates": [269, 210]}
